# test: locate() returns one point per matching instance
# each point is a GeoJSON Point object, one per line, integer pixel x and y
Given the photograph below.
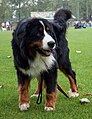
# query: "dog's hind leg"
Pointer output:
{"type": "Point", "coordinates": [73, 92]}
{"type": "Point", "coordinates": [36, 93]}
{"type": "Point", "coordinates": [64, 65]}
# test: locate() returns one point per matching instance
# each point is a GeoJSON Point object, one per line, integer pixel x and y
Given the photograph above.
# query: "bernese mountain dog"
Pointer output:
{"type": "Point", "coordinates": [39, 49]}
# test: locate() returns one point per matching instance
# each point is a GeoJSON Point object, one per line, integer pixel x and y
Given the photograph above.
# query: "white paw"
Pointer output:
{"type": "Point", "coordinates": [34, 95]}
{"type": "Point", "coordinates": [24, 107]}
{"type": "Point", "coordinates": [48, 108]}
{"type": "Point", "coordinates": [73, 94]}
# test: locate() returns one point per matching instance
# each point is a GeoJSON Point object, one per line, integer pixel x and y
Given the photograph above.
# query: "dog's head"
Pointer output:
{"type": "Point", "coordinates": [40, 37]}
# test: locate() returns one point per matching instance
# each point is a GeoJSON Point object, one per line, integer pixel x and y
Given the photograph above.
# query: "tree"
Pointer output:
{"type": "Point", "coordinates": [5, 11]}
{"type": "Point", "coordinates": [23, 8]}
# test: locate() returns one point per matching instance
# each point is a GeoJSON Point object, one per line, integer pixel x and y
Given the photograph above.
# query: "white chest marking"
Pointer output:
{"type": "Point", "coordinates": [39, 65]}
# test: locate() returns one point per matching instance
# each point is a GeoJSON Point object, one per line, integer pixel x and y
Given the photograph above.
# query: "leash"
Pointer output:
{"type": "Point", "coordinates": [39, 99]}
{"type": "Point", "coordinates": [62, 91]}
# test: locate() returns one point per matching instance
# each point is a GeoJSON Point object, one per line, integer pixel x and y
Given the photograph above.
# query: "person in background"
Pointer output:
{"type": "Point", "coordinates": [7, 26]}
{"type": "Point", "coordinates": [3, 27]}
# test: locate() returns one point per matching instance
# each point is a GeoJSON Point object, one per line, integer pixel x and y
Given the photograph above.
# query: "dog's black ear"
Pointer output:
{"type": "Point", "coordinates": [62, 14]}
{"type": "Point", "coordinates": [28, 28]}
{"type": "Point", "coordinates": [30, 25]}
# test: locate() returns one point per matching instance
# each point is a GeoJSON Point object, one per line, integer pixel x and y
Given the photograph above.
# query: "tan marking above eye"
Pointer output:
{"type": "Point", "coordinates": [47, 28]}
{"type": "Point", "coordinates": [40, 29]}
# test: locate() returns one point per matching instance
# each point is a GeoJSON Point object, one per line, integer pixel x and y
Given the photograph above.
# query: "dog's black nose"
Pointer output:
{"type": "Point", "coordinates": [51, 44]}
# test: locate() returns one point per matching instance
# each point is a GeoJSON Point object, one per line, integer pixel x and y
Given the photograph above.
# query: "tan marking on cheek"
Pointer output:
{"type": "Point", "coordinates": [36, 44]}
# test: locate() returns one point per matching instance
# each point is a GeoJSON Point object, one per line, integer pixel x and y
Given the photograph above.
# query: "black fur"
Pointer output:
{"type": "Point", "coordinates": [62, 49]}
{"type": "Point", "coordinates": [25, 34]}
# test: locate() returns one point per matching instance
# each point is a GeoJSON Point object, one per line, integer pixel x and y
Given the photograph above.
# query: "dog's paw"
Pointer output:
{"type": "Point", "coordinates": [73, 94]}
{"type": "Point", "coordinates": [24, 107]}
{"type": "Point", "coordinates": [34, 95]}
{"type": "Point", "coordinates": [49, 108]}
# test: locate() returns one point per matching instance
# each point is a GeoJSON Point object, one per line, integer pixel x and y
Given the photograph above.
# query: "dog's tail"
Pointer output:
{"type": "Point", "coordinates": [62, 16]}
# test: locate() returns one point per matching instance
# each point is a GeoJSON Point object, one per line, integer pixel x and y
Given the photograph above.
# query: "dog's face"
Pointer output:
{"type": "Point", "coordinates": [41, 37]}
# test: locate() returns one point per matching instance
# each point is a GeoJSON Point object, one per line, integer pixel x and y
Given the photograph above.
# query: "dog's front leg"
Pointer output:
{"type": "Point", "coordinates": [51, 94]}
{"type": "Point", "coordinates": [50, 101]}
{"type": "Point", "coordinates": [23, 91]}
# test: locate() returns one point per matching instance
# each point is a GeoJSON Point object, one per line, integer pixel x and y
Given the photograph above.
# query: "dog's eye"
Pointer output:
{"type": "Point", "coordinates": [38, 34]}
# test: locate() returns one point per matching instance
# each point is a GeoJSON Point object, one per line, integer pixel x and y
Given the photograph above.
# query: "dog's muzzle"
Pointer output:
{"type": "Point", "coordinates": [51, 44]}
{"type": "Point", "coordinates": [47, 52]}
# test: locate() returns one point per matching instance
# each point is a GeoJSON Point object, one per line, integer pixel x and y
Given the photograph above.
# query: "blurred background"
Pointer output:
{"type": "Point", "coordinates": [15, 10]}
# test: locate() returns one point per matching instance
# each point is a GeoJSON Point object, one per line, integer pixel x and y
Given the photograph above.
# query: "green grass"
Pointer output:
{"type": "Point", "coordinates": [79, 39]}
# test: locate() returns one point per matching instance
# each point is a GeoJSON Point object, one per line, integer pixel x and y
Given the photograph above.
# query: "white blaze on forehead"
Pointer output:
{"type": "Point", "coordinates": [47, 38]}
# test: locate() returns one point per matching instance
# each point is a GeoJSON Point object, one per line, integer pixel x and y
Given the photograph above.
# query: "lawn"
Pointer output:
{"type": "Point", "coordinates": [78, 40]}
